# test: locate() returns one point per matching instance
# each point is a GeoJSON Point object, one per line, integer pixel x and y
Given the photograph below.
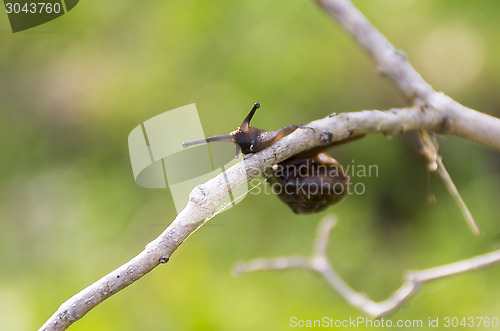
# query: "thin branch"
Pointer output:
{"type": "Point", "coordinates": [320, 265]}
{"type": "Point", "coordinates": [452, 189]}
{"type": "Point", "coordinates": [433, 111]}
{"type": "Point", "coordinates": [323, 235]}
{"type": "Point", "coordinates": [429, 148]}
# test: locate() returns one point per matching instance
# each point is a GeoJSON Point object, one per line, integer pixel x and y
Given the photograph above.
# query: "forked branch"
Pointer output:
{"type": "Point", "coordinates": [320, 264]}
{"type": "Point", "coordinates": [394, 63]}
{"type": "Point", "coordinates": [431, 111]}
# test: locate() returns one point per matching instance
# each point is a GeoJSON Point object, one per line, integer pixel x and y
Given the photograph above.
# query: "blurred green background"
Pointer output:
{"type": "Point", "coordinates": [70, 212]}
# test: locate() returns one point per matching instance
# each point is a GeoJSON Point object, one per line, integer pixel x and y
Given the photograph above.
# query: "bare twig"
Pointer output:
{"type": "Point", "coordinates": [320, 264]}
{"type": "Point", "coordinates": [429, 148]}
{"type": "Point", "coordinates": [433, 111]}
{"type": "Point", "coordinates": [448, 182]}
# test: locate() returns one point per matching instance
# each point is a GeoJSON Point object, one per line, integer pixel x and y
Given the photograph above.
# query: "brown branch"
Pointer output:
{"type": "Point", "coordinates": [319, 264]}
{"type": "Point", "coordinates": [429, 148]}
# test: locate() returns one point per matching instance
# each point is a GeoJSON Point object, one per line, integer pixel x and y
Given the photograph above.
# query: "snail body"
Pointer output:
{"type": "Point", "coordinates": [308, 182]}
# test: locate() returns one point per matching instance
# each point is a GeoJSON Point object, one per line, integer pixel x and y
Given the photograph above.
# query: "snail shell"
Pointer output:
{"type": "Point", "coordinates": [309, 183]}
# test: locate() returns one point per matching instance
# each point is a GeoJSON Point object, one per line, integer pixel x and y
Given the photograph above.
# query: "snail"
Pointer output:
{"type": "Point", "coordinates": [308, 182]}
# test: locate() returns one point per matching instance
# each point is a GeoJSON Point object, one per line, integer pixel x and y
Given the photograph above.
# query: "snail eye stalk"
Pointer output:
{"type": "Point", "coordinates": [225, 137]}
{"type": "Point", "coordinates": [246, 121]}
